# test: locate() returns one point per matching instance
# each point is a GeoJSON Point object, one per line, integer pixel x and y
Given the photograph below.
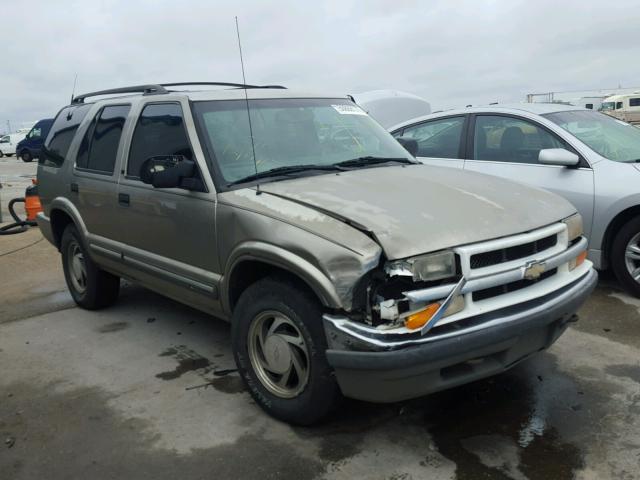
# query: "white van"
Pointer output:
{"type": "Point", "coordinates": [8, 143]}
{"type": "Point", "coordinates": [623, 107]}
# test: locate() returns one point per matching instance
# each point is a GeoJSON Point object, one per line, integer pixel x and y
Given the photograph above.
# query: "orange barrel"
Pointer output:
{"type": "Point", "coordinates": [32, 203]}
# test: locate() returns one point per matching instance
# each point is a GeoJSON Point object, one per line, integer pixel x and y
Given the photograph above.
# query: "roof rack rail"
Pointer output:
{"type": "Point", "coordinates": [158, 89]}
{"type": "Point", "coordinates": [144, 89]}
{"type": "Point", "coordinates": [221, 84]}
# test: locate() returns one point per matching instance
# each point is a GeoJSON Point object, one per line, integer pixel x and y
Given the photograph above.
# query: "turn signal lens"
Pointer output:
{"type": "Point", "coordinates": [419, 319]}
{"type": "Point", "coordinates": [579, 260]}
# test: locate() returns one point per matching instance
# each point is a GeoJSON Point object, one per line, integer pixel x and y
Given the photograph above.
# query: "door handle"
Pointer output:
{"type": "Point", "coordinates": [123, 199]}
{"type": "Point", "coordinates": [74, 187]}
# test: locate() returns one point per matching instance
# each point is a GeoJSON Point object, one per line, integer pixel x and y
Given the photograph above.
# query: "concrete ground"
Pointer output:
{"type": "Point", "coordinates": [147, 389]}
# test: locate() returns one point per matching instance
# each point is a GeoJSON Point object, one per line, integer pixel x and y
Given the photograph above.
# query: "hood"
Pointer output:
{"type": "Point", "coordinates": [418, 209]}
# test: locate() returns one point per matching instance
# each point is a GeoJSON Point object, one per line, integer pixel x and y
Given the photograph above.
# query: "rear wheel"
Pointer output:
{"type": "Point", "coordinates": [625, 256]}
{"type": "Point", "coordinates": [1, 154]}
{"type": "Point", "coordinates": [90, 287]}
{"type": "Point", "coordinates": [25, 155]}
{"type": "Point", "coordinates": [279, 347]}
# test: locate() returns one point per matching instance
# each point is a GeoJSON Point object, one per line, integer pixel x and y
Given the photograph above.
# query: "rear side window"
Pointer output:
{"type": "Point", "coordinates": [437, 138]}
{"type": "Point", "coordinates": [61, 134]}
{"type": "Point", "coordinates": [99, 146]}
{"type": "Point", "coordinates": [160, 131]}
{"type": "Point", "coordinates": [634, 102]}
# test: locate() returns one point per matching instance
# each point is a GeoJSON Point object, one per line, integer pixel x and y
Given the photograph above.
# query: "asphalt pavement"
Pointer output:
{"type": "Point", "coordinates": [148, 389]}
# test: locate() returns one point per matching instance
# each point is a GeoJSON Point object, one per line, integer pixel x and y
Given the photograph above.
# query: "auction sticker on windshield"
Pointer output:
{"type": "Point", "coordinates": [349, 110]}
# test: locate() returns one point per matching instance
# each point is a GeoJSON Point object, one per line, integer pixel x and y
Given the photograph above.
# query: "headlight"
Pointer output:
{"type": "Point", "coordinates": [574, 226]}
{"type": "Point", "coordinates": [425, 268]}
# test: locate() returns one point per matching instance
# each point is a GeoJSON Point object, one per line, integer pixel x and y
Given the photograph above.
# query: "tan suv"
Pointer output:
{"type": "Point", "coordinates": [344, 266]}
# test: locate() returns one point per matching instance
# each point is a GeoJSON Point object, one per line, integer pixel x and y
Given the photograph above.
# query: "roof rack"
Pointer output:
{"type": "Point", "coordinates": [159, 89]}
{"type": "Point", "coordinates": [221, 84]}
{"type": "Point", "coordinates": [144, 89]}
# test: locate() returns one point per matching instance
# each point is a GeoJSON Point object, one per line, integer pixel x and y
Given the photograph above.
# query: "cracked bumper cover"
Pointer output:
{"type": "Point", "coordinates": [381, 368]}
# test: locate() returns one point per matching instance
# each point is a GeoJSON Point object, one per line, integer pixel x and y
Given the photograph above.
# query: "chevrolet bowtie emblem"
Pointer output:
{"type": "Point", "coordinates": [533, 270]}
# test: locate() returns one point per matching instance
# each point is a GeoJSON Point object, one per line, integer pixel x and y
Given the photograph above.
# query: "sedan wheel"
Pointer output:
{"type": "Point", "coordinates": [625, 256]}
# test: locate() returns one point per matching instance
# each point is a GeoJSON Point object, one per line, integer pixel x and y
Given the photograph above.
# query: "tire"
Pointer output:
{"type": "Point", "coordinates": [26, 156]}
{"type": "Point", "coordinates": [2, 154]}
{"type": "Point", "coordinates": [9, 154]}
{"type": "Point", "coordinates": [290, 319]}
{"type": "Point", "coordinates": [90, 287]}
{"type": "Point", "coordinates": [625, 256]}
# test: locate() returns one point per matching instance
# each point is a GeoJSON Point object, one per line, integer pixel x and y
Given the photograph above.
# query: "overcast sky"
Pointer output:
{"type": "Point", "coordinates": [450, 52]}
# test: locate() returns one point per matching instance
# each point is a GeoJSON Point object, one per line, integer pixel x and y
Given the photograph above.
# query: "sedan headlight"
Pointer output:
{"type": "Point", "coordinates": [574, 226]}
{"type": "Point", "coordinates": [425, 268]}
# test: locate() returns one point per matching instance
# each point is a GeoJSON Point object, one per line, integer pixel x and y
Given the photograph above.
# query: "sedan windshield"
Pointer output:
{"type": "Point", "coordinates": [611, 138]}
{"type": "Point", "coordinates": [291, 136]}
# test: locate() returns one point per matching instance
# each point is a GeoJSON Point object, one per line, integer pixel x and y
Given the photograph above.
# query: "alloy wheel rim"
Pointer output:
{"type": "Point", "coordinates": [77, 268]}
{"type": "Point", "coordinates": [278, 354]}
{"type": "Point", "coordinates": [632, 257]}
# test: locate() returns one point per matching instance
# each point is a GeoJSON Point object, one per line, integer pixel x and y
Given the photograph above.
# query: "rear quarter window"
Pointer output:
{"type": "Point", "coordinates": [61, 135]}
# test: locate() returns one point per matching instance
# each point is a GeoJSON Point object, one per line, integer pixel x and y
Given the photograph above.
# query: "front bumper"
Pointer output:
{"type": "Point", "coordinates": [385, 369]}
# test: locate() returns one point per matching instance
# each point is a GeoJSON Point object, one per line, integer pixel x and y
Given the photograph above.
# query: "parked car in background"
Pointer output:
{"type": "Point", "coordinates": [623, 107]}
{"type": "Point", "coordinates": [31, 146]}
{"type": "Point", "coordinates": [343, 264]}
{"type": "Point", "coordinates": [9, 142]}
{"type": "Point", "coordinates": [589, 158]}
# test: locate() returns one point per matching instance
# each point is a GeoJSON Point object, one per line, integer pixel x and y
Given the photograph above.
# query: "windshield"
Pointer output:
{"type": "Point", "coordinates": [288, 133]}
{"type": "Point", "coordinates": [611, 138]}
{"type": "Point", "coordinates": [608, 106]}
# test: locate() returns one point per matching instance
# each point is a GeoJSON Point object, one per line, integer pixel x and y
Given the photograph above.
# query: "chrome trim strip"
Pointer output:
{"type": "Point", "coordinates": [383, 339]}
{"type": "Point", "coordinates": [433, 321]}
{"type": "Point", "coordinates": [489, 281]}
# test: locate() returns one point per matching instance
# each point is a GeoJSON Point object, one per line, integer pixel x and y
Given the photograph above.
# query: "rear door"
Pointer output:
{"type": "Point", "coordinates": [93, 185]}
{"type": "Point", "coordinates": [169, 233]}
{"type": "Point", "coordinates": [440, 141]}
{"type": "Point", "coordinates": [508, 146]}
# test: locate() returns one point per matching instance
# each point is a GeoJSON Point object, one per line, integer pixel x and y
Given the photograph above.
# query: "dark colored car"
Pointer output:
{"type": "Point", "coordinates": [30, 147]}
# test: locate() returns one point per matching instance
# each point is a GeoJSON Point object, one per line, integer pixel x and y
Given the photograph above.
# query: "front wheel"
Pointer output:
{"type": "Point", "coordinates": [90, 287]}
{"type": "Point", "coordinates": [625, 256]}
{"type": "Point", "coordinates": [26, 156]}
{"type": "Point", "coordinates": [279, 347]}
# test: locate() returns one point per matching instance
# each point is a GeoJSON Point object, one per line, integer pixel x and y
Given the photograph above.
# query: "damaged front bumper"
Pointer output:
{"type": "Point", "coordinates": [382, 366]}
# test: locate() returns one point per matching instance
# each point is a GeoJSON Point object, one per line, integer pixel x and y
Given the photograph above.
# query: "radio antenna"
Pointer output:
{"type": "Point", "coordinates": [73, 92]}
{"type": "Point", "coordinates": [246, 99]}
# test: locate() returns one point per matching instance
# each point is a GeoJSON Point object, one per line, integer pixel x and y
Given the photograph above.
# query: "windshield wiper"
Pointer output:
{"type": "Point", "coordinates": [370, 160]}
{"type": "Point", "coordinates": [285, 170]}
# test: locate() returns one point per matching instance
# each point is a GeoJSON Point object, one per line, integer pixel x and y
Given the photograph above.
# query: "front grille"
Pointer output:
{"type": "Point", "coordinates": [496, 257]}
{"type": "Point", "coordinates": [509, 287]}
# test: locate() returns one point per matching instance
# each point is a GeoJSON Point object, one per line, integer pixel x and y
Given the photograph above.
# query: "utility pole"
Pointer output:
{"type": "Point", "coordinates": [8, 127]}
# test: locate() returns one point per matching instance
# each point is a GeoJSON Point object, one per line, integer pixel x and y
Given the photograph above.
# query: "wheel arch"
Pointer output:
{"type": "Point", "coordinates": [614, 227]}
{"type": "Point", "coordinates": [255, 260]}
{"type": "Point", "coordinates": [61, 214]}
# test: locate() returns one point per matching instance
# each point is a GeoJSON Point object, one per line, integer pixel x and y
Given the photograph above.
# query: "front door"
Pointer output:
{"type": "Point", "coordinates": [169, 233]}
{"type": "Point", "coordinates": [508, 146]}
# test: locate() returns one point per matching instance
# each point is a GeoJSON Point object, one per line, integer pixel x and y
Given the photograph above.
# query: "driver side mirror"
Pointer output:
{"type": "Point", "coordinates": [409, 144]}
{"type": "Point", "coordinates": [170, 171]}
{"type": "Point", "coordinates": [558, 156]}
